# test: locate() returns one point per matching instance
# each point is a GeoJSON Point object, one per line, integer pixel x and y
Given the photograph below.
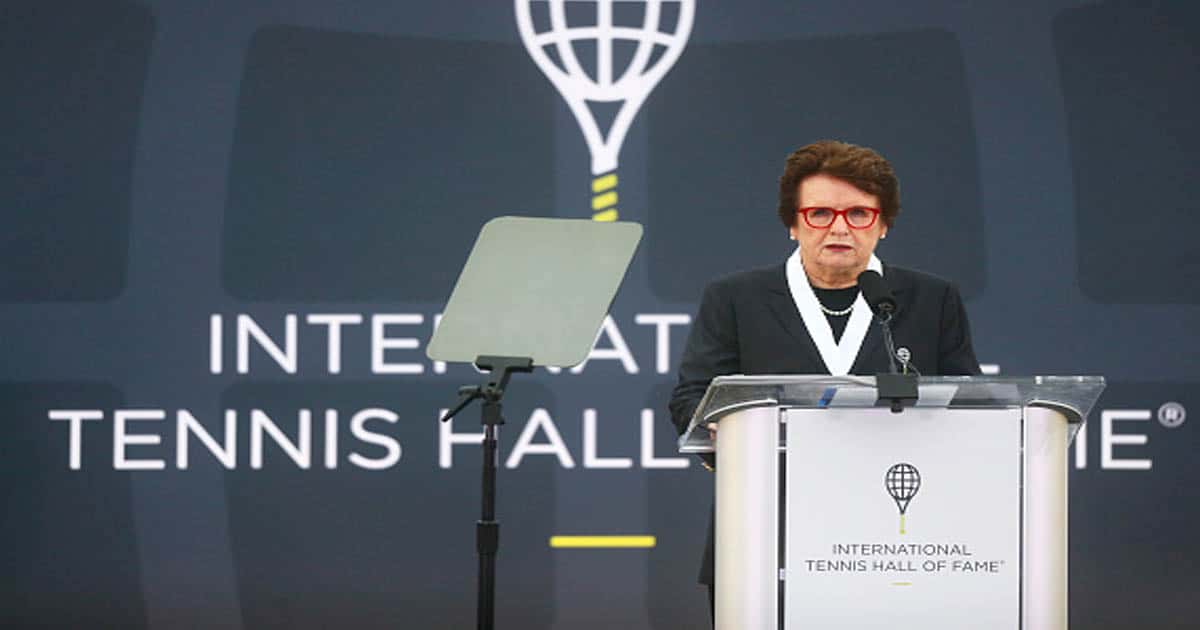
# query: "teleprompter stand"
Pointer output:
{"type": "Point", "coordinates": [487, 530]}
{"type": "Point", "coordinates": [533, 292]}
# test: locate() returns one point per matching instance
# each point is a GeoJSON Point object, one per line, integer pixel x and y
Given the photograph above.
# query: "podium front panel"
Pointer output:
{"type": "Point", "coordinates": [908, 520]}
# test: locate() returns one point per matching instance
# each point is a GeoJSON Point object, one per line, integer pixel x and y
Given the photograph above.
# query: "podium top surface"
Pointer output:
{"type": "Point", "coordinates": [1073, 396]}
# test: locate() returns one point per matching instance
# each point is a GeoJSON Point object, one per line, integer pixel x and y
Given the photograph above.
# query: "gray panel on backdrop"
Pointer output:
{"type": "Point", "coordinates": [725, 118]}
{"type": "Point", "coordinates": [678, 505]}
{"type": "Point", "coordinates": [1135, 147]}
{"type": "Point", "coordinates": [73, 74]}
{"type": "Point", "coordinates": [356, 548]}
{"type": "Point", "coordinates": [362, 163]}
{"type": "Point", "coordinates": [1133, 533]}
{"type": "Point", "coordinates": [536, 288]}
{"type": "Point", "coordinates": [70, 553]}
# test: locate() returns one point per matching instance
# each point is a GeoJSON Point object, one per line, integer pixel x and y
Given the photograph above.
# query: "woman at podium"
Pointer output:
{"type": "Point", "coordinates": [807, 315]}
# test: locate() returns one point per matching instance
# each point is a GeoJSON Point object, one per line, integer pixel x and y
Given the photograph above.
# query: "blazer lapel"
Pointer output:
{"type": "Point", "coordinates": [783, 307]}
{"type": "Point", "coordinates": [871, 353]}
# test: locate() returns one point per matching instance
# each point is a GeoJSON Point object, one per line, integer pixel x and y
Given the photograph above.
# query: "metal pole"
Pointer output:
{"type": "Point", "coordinates": [487, 530]}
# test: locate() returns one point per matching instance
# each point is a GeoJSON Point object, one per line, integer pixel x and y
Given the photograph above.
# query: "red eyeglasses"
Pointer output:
{"type": "Point", "coordinates": [857, 217]}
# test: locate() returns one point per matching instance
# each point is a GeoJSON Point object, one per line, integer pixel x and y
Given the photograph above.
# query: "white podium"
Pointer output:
{"type": "Point", "coordinates": [951, 514]}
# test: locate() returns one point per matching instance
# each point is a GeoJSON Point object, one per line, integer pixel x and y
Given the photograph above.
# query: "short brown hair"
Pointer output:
{"type": "Point", "coordinates": [862, 167]}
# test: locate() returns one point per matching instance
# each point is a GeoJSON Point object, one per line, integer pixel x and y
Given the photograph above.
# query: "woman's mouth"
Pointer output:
{"type": "Point", "coordinates": [838, 247]}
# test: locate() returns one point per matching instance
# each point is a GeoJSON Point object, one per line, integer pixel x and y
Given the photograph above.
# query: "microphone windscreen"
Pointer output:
{"type": "Point", "coordinates": [875, 292]}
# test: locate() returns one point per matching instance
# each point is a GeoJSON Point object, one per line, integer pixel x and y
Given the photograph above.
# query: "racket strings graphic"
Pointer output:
{"type": "Point", "coordinates": [553, 46]}
{"type": "Point", "coordinates": [902, 482]}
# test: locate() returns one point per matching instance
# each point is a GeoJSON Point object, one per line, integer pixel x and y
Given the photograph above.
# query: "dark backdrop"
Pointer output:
{"type": "Point", "coordinates": [167, 161]}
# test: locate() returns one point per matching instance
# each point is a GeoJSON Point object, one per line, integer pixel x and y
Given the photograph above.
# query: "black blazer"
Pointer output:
{"type": "Point", "coordinates": [749, 324]}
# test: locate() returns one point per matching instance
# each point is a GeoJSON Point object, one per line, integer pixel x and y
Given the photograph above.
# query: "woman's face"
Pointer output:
{"type": "Point", "coordinates": [839, 251]}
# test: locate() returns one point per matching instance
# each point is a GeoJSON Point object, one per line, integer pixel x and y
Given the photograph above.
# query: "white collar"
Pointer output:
{"type": "Point", "coordinates": [839, 357]}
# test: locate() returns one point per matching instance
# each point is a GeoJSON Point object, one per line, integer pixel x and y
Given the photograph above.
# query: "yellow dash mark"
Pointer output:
{"type": "Point", "coordinates": [901, 583]}
{"type": "Point", "coordinates": [602, 542]}
{"type": "Point", "coordinates": [601, 184]}
{"type": "Point", "coordinates": [605, 200]}
{"type": "Point", "coordinates": [607, 215]}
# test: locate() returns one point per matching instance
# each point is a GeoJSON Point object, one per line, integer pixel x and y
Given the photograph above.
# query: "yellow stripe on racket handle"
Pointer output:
{"type": "Point", "coordinates": [604, 197]}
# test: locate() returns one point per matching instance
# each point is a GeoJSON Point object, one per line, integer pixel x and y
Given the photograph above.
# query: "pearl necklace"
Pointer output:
{"type": "Point", "coordinates": [832, 313]}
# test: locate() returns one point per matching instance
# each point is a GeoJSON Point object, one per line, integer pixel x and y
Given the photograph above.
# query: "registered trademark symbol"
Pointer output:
{"type": "Point", "coordinates": [1171, 414]}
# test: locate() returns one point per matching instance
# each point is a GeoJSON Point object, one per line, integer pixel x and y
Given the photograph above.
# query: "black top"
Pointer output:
{"type": "Point", "coordinates": [837, 300]}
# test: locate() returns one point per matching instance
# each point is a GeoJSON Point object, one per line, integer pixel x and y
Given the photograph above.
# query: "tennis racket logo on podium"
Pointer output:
{"type": "Point", "coordinates": [656, 32]}
{"type": "Point", "coordinates": [902, 482]}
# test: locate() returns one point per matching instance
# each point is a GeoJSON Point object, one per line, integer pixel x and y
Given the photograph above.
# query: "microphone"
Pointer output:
{"type": "Point", "coordinates": [896, 390]}
{"type": "Point", "coordinates": [876, 294]}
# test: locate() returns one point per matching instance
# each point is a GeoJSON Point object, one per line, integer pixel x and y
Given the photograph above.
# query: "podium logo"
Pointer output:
{"type": "Point", "coordinates": [902, 482]}
{"type": "Point", "coordinates": [629, 44]}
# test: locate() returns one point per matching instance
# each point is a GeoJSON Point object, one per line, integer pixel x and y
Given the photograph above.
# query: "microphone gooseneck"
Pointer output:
{"type": "Point", "coordinates": [883, 304]}
{"type": "Point", "coordinates": [895, 390]}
